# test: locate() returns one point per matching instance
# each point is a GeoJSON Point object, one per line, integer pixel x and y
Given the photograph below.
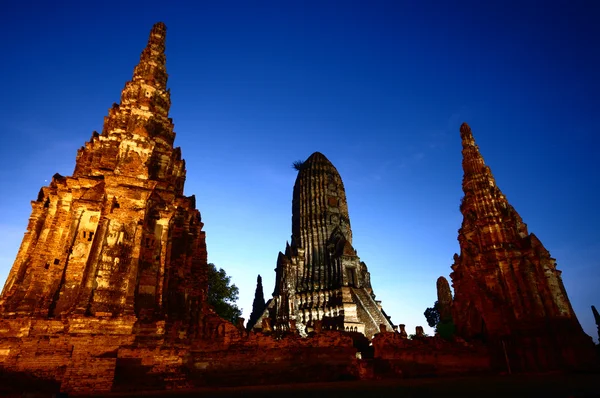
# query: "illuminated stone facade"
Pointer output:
{"type": "Point", "coordinates": [118, 238]}
{"type": "Point", "coordinates": [320, 280]}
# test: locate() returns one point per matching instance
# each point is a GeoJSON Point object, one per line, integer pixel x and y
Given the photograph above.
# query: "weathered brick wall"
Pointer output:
{"type": "Point", "coordinates": [80, 363]}
{"type": "Point", "coordinates": [102, 357]}
{"type": "Point", "coordinates": [154, 368]}
{"type": "Point", "coordinates": [87, 375]}
{"type": "Point", "coordinates": [429, 356]}
{"type": "Point", "coordinates": [41, 357]}
{"type": "Point", "coordinates": [263, 359]}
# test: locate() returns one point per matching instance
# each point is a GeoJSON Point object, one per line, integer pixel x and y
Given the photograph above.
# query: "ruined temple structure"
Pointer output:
{"type": "Point", "coordinates": [320, 280]}
{"type": "Point", "coordinates": [108, 292]}
{"type": "Point", "coordinates": [117, 238]}
{"type": "Point", "coordinates": [113, 255]}
{"type": "Point", "coordinates": [109, 288]}
{"type": "Point", "coordinates": [508, 291]}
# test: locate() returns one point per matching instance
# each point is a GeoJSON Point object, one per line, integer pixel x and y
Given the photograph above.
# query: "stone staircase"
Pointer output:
{"type": "Point", "coordinates": [369, 312]}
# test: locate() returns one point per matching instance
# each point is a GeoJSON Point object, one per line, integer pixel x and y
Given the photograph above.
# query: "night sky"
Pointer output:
{"type": "Point", "coordinates": [380, 88]}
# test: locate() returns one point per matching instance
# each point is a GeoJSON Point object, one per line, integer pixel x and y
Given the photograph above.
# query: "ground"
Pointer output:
{"type": "Point", "coordinates": [548, 385]}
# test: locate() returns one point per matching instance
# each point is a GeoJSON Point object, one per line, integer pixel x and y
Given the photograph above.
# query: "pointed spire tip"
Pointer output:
{"type": "Point", "coordinates": [158, 33]}
{"type": "Point", "coordinates": [159, 26]}
{"type": "Point", "coordinates": [465, 128]}
{"type": "Point", "coordinates": [466, 135]}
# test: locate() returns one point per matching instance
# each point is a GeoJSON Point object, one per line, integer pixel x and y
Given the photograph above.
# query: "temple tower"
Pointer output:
{"type": "Point", "coordinates": [320, 278]}
{"type": "Point", "coordinates": [507, 288]}
{"type": "Point", "coordinates": [118, 238]}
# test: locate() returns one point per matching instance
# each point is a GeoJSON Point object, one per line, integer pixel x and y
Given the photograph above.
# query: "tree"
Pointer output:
{"type": "Point", "coordinates": [222, 295]}
{"type": "Point", "coordinates": [297, 165]}
{"type": "Point", "coordinates": [432, 314]}
{"type": "Point", "coordinates": [445, 329]}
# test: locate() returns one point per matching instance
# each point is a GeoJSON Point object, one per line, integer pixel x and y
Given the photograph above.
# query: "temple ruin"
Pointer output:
{"type": "Point", "coordinates": [320, 278]}
{"type": "Point", "coordinates": [507, 290]}
{"type": "Point", "coordinates": [117, 239]}
{"type": "Point", "coordinates": [108, 292]}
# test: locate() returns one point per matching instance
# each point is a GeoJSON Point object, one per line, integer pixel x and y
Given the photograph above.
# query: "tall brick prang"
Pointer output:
{"type": "Point", "coordinates": [117, 239]}
{"type": "Point", "coordinates": [507, 289]}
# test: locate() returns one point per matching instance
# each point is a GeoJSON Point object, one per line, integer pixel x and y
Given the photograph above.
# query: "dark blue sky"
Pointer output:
{"type": "Point", "coordinates": [380, 88]}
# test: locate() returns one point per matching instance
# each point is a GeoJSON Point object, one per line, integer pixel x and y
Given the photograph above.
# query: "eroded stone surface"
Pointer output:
{"type": "Point", "coordinates": [507, 288]}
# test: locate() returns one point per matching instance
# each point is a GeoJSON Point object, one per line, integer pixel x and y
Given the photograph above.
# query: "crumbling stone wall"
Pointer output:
{"type": "Point", "coordinates": [238, 357]}
{"type": "Point", "coordinates": [427, 356]}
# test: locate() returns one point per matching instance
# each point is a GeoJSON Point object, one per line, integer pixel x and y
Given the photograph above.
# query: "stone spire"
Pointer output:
{"type": "Point", "coordinates": [320, 219]}
{"type": "Point", "coordinates": [258, 306]}
{"type": "Point", "coordinates": [152, 67]}
{"type": "Point", "coordinates": [147, 92]}
{"type": "Point", "coordinates": [320, 279]}
{"type": "Point", "coordinates": [476, 174]}
{"type": "Point", "coordinates": [505, 282]}
{"type": "Point", "coordinates": [137, 137]}
{"type": "Point", "coordinates": [118, 239]}
{"type": "Point", "coordinates": [444, 299]}
{"type": "Point", "coordinates": [484, 206]}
